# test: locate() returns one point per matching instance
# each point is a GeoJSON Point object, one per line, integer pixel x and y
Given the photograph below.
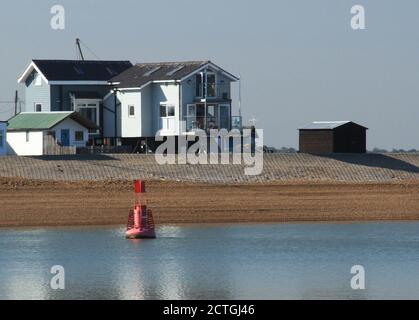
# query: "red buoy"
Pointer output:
{"type": "Point", "coordinates": [140, 219]}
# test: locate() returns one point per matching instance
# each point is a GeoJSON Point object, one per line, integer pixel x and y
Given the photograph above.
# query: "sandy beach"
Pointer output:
{"type": "Point", "coordinates": [30, 203]}
{"type": "Point", "coordinates": [97, 190]}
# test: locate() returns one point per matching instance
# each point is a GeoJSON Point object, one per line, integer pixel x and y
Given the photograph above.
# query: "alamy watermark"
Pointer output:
{"type": "Point", "coordinates": [58, 19]}
{"type": "Point", "coordinates": [219, 147]}
{"type": "Point", "coordinates": [358, 280]}
{"type": "Point", "coordinates": [358, 19]}
{"type": "Point", "coordinates": [58, 280]}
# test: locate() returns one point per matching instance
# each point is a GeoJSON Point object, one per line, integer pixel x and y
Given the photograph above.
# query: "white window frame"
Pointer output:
{"type": "Point", "coordinates": [85, 105]}
{"type": "Point", "coordinates": [167, 105]}
{"type": "Point", "coordinates": [129, 111]}
{"type": "Point", "coordinates": [168, 119]}
{"type": "Point", "coordinates": [38, 104]}
{"type": "Point", "coordinates": [204, 84]}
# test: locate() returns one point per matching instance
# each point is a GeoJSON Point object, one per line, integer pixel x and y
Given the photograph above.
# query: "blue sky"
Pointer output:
{"type": "Point", "coordinates": [300, 60]}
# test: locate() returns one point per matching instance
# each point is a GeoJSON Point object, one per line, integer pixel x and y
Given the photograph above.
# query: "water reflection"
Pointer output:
{"type": "Point", "coordinates": [307, 261]}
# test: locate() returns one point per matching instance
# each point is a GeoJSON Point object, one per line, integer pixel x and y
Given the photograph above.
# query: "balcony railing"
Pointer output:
{"type": "Point", "coordinates": [236, 123]}
{"type": "Point", "coordinates": [209, 123]}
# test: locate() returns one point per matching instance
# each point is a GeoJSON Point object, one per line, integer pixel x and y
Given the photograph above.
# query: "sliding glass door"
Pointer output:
{"type": "Point", "coordinates": [207, 116]}
{"type": "Point", "coordinates": [224, 116]}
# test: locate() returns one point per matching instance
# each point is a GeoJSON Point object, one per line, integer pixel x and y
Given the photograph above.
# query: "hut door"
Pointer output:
{"type": "Point", "coordinates": [65, 137]}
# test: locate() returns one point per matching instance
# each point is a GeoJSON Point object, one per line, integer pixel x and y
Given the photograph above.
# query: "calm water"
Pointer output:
{"type": "Point", "coordinates": [288, 261]}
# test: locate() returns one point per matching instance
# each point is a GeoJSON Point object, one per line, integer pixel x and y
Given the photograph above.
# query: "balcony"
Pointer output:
{"type": "Point", "coordinates": [195, 123]}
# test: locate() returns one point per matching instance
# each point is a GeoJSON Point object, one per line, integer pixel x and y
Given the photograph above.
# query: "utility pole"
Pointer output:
{"type": "Point", "coordinates": [79, 48]}
{"type": "Point", "coordinates": [240, 96]}
{"type": "Point", "coordinates": [115, 95]}
{"type": "Point", "coordinates": [16, 101]}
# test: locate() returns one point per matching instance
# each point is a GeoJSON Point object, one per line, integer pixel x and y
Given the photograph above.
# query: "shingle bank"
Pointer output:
{"type": "Point", "coordinates": [277, 167]}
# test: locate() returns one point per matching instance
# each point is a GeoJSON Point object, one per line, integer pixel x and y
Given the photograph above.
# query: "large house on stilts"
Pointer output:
{"type": "Point", "coordinates": [129, 103]}
{"type": "Point", "coordinates": [174, 98]}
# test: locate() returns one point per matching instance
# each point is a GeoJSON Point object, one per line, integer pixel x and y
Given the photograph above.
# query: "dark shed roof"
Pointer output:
{"type": "Point", "coordinates": [328, 125]}
{"type": "Point", "coordinates": [75, 70]}
{"type": "Point", "coordinates": [142, 73]}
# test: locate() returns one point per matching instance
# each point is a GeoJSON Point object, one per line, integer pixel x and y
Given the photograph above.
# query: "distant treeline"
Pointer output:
{"type": "Point", "coordinates": [378, 150]}
{"type": "Point", "coordinates": [268, 149]}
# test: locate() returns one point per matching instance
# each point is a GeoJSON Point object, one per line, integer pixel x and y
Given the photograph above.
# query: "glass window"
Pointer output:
{"type": "Point", "coordinates": [211, 111]}
{"type": "Point", "coordinates": [131, 111]}
{"type": "Point", "coordinates": [89, 113]}
{"type": "Point", "coordinates": [167, 111]}
{"type": "Point", "coordinates": [224, 117]}
{"type": "Point", "coordinates": [27, 136]}
{"type": "Point", "coordinates": [163, 112]}
{"type": "Point", "coordinates": [170, 111]}
{"type": "Point", "coordinates": [211, 85]}
{"type": "Point", "coordinates": [199, 82]}
{"type": "Point", "coordinates": [38, 107]}
{"type": "Point", "coordinates": [79, 136]}
{"type": "Point", "coordinates": [191, 110]}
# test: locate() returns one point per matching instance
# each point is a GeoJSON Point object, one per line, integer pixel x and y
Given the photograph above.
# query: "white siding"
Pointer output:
{"type": "Point", "coordinates": [3, 141]}
{"type": "Point", "coordinates": [17, 144]}
{"type": "Point", "coordinates": [146, 102]}
{"type": "Point", "coordinates": [37, 94]}
{"type": "Point", "coordinates": [169, 94]}
{"type": "Point", "coordinates": [130, 126]}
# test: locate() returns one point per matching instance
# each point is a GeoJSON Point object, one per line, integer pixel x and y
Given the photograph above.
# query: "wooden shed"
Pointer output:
{"type": "Point", "coordinates": [322, 137]}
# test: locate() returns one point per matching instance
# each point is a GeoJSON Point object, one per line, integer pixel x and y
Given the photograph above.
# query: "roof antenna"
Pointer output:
{"type": "Point", "coordinates": [79, 43]}
{"type": "Point", "coordinates": [79, 48]}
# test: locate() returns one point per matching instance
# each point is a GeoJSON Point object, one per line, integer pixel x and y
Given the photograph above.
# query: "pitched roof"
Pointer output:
{"type": "Point", "coordinates": [45, 120]}
{"type": "Point", "coordinates": [143, 73]}
{"type": "Point", "coordinates": [75, 70]}
{"type": "Point", "coordinates": [327, 125]}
